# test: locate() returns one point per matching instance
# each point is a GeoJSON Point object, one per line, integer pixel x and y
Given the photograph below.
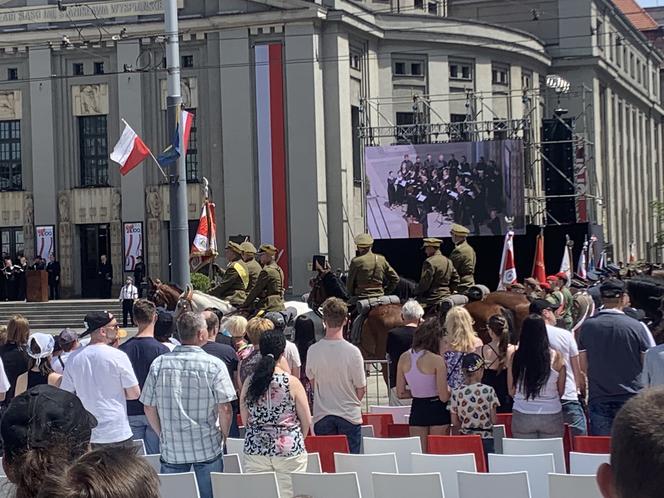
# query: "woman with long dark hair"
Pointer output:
{"type": "Point", "coordinates": [276, 412]}
{"type": "Point", "coordinates": [496, 355]}
{"type": "Point", "coordinates": [536, 379]}
{"type": "Point", "coordinates": [422, 375]}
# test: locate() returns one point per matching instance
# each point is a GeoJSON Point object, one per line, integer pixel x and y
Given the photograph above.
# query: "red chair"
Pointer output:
{"type": "Point", "coordinates": [398, 430]}
{"type": "Point", "coordinates": [326, 447]}
{"type": "Point", "coordinates": [239, 420]}
{"type": "Point", "coordinates": [567, 443]}
{"type": "Point", "coordinates": [379, 422]}
{"type": "Point", "coordinates": [506, 420]}
{"type": "Point", "coordinates": [454, 445]}
{"type": "Point", "coordinates": [592, 444]}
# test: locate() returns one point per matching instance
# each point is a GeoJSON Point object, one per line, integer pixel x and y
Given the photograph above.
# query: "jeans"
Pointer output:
{"type": "Point", "coordinates": [601, 414]}
{"type": "Point", "coordinates": [574, 416]}
{"type": "Point", "coordinates": [332, 425]}
{"type": "Point", "coordinates": [202, 471]}
{"type": "Point", "coordinates": [140, 428]}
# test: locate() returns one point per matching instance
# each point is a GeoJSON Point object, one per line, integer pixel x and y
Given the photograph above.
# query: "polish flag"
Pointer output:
{"type": "Point", "coordinates": [130, 150]}
{"type": "Point", "coordinates": [187, 120]}
{"type": "Point", "coordinates": [507, 274]}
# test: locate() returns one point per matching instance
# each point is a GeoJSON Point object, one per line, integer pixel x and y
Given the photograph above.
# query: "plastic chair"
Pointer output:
{"type": "Point", "coordinates": [506, 420]}
{"type": "Point", "coordinates": [139, 446]}
{"type": "Point", "coordinates": [400, 414]}
{"type": "Point", "coordinates": [453, 445]}
{"type": "Point", "coordinates": [154, 461]}
{"type": "Point", "coordinates": [234, 446]}
{"type": "Point", "coordinates": [538, 467]}
{"type": "Point", "coordinates": [573, 486]}
{"type": "Point", "coordinates": [400, 485]}
{"type": "Point", "coordinates": [367, 431]}
{"type": "Point", "coordinates": [586, 463]}
{"type": "Point", "coordinates": [178, 485]}
{"type": "Point", "coordinates": [379, 422]}
{"type": "Point", "coordinates": [313, 463]}
{"type": "Point", "coordinates": [226, 485]}
{"type": "Point", "coordinates": [326, 447]}
{"type": "Point", "coordinates": [592, 444]}
{"type": "Point", "coordinates": [232, 463]}
{"type": "Point", "coordinates": [498, 436]}
{"type": "Point", "coordinates": [326, 485]}
{"type": "Point", "coordinates": [447, 466]}
{"type": "Point", "coordinates": [538, 447]}
{"type": "Point", "coordinates": [401, 447]}
{"type": "Point", "coordinates": [398, 430]}
{"type": "Point", "coordinates": [364, 466]}
{"type": "Point", "coordinates": [479, 485]}
{"type": "Point", "coordinates": [7, 489]}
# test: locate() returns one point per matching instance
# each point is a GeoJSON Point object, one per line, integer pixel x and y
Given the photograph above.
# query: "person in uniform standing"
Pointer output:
{"type": "Point", "coordinates": [369, 275]}
{"type": "Point", "coordinates": [268, 293]}
{"type": "Point", "coordinates": [253, 266]}
{"type": "Point", "coordinates": [566, 318]}
{"type": "Point", "coordinates": [233, 286]}
{"type": "Point", "coordinates": [105, 274]}
{"type": "Point", "coordinates": [53, 270]}
{"type": "Point", "coordinates": [139, 275]}
{"type": "Point", "coordinates": [463, 258]}
{"type": "Point", "coordinates": [439, 278]}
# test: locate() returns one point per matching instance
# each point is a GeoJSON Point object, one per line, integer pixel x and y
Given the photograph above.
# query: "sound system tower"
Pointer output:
{"type": "Point", "coordinates": [558, 166]}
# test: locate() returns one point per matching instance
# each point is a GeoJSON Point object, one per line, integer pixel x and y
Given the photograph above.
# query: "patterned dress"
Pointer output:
{"type": "Point", "coordinates": [455, 376]}
{"type": "Point", "coordinates": [473, 405]}
{"type": "Point", "coordinates": [273, 428]}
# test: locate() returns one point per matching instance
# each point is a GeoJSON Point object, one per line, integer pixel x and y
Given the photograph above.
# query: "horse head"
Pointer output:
{"type": "Point", "coordinates": [184, 302]}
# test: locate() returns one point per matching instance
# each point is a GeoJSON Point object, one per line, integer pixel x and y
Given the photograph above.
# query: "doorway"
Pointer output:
{"type": "Point", "coordinates": [95, 241]}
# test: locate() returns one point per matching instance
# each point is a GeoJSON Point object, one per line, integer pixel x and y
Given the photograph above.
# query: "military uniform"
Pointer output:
{"type": "Point", "coordinates": [233, 285]}
{"type": "Point", "coordinates": [370, 275]}
{"type": "Point", "coordinates": [268, 293]}
{"type": "Point", "coordinates": [439, 278]}
{"type": "Point", "coordinates": [463, 258]}
{"type": "Point", "coordinates": [253, 266]}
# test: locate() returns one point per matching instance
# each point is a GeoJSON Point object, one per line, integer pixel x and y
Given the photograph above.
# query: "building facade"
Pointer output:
{"type": "Point", "coordinates": [300, 76]}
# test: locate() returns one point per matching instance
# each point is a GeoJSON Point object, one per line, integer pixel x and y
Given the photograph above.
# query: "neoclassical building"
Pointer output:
{"type": "Point", "coordinates": [300, 76]}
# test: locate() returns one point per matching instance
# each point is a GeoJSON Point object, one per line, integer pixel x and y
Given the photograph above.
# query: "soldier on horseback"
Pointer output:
{"type": "Point", "coordinates": [253, 266]}
{"type": "Point", "coordinates": [268, 293]}
{"type": "Point", "coordinates": [439, 278]}
{"type": "Point", "coordinates": [233, 285]}
{"type": "Point", "coordinates": [463, 258]}
{"type": "Point", "coordinates": [369, 275]}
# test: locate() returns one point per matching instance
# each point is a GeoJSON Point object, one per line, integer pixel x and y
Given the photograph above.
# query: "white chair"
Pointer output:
{"type": "Point", "coordinates": [538, 467]}
{"type": "Point", "coordinates": [7, 489]}
{"type": "Point", "coordinates": [400, 414]}
{"type": "Point", "coordinates": [178, 485]}
{"type": "Point", "coordinates": [402, 447]}
{"type": "Point", "coordinates": [401, 485]}
{"type": "Point", "coordinates": [139, 446]}
{"type": "Point", "coordinates": [154, 461]}
{"type": "Point", "coordinates": [364, 466]}
{"type": "Point", "coordinates": [480, 485]}
{"type": "Point", "coordinates": [447, 466]}
{"type": "Point", "coordinates": [263, 484]}
{"type": "Point", "coordinates": [232, 463]}
{"type": "Point", "coordinates": [234, 446]}
{"type": "Point", "coordinates": [573, 486]}
{"type": "Point", "coordinates": [313, 463]}
{"type": "Point", "coordinates": [586, 463]}
{"type": "Point", "coordinates": [554, 446]}
{"type": "Point", "coordinates": [326, 485]}
{"type": "Point", "coordinates": [367, 431]}
{"type": "Point", "coordinates": [499, 434]}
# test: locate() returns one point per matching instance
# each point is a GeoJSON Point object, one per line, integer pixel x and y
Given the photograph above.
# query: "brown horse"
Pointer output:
{"type": "Point", "coordinates": [163, 295]}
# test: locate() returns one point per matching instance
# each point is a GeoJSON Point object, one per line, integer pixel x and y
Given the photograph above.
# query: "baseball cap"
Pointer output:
{"type": "Point", "coordinates": [164, 325]}
{"type": "Point", "coordinates": [42, 416]}
{"type": "Point", "coordinates": [612, 288]}
{"type": "Point", "coordinates": [539, 305]}
{"type": "Point", "coordinates": [98, 319]}
{"type": "Point", "coordinates": [472, 362]}
{"type": "Point", "coordinates": [276, 318]}
{"type": "Point", "coordinates": [67, 336]}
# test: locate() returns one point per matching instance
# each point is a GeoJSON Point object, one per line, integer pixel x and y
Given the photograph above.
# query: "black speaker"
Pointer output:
{"type": "Point", "coordinates": [558, 170]}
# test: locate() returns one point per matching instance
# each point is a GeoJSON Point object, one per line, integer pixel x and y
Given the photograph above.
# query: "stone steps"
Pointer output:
{"type": "Point", "coordinates": [57, 314]}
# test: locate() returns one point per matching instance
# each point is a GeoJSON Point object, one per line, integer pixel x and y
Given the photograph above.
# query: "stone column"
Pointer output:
{"type": "Point", "coordinates": [153, 204]}
{"type": "Point", "coordinates": [64, 241]}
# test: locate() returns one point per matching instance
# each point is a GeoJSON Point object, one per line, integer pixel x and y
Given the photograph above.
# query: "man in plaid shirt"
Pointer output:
{"type": "Point", "coordinates": [184, 394]}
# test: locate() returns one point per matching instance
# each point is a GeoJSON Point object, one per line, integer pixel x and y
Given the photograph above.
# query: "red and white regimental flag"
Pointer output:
{"type": "Point", "coordinates": [507, 266]}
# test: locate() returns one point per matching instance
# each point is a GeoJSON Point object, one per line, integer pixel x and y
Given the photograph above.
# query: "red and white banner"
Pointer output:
{"type": "Point", "coordinates": [133, 244]}
{"type": "Point", "coordinates": [45, 241]}
{"type": "Point", "coordinates": [271, 140]}
{"type": "Point", "coordinates": [205, 241]}
{"type": "Point", "coordinates": [130, 150]}
{"type": "Point", "coordinates": [507, 275]}
{"type": "Point", "coordinates": [539, 270]}
{"type": "Point", "coordinates": [566, 263]}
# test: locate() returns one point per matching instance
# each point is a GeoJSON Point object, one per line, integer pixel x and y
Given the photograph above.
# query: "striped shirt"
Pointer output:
{"type": "Point", "coordinates": [186, 386]}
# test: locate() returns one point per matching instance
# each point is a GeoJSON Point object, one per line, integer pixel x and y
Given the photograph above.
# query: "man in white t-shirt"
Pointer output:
{"type": "Point", "coordinates": [563, 341]}
{"type": "Point", "coordinates": [102, 377]}
{"type": "Point", "coordinates": [336, 370]}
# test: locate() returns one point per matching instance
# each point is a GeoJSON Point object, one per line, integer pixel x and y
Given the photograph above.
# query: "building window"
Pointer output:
{"type": "Point", "coordinates": [11, 239]}
{"type": "Point", "coordinates": [619, 55]}
{"type": "Point", "coordinates": [526, 81]}
{"type": "Point", "coordinates": [191, 161]}
{"type": "Point", "coordinates": [99, 68]}
{"type": "Point", "coordinates": [461, 71]}
{"type": "Point", "coordinates": [188, 61]}
{"type": "Point", "coordinates": [93, 143]}
{"type": "Point", "coordinates": [409, 68]}
{"type": "Point", "coordinates": [599, 31]}
{"type": "Point", "coordinates": [499, 76]}
{"type": "Point", "coordinates": [400, 68]}
{"type": "Point", "coordinates": [416, 69]}
{"type": "Point", "coordinates": [12, 74]}
{"type": "Point", "coordinates": [638, 71]}
{"type": "Point", "coordinates": [11, 177]}
{"type": "Point", "coordinates": [433, 8]}
{"type": "Point", "coordinates": [419, 4]}
{"type": "Point", "coordinates": [357, 144]}
{"type": "Point", "coordinates": [77, 69]}
{"type": "Point", "coordinates": [632, 64]}
{"type": "Point", "coordinates": [355, 61]}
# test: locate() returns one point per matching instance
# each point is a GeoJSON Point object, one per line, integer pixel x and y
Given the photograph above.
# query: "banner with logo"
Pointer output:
{"type": "Point", "coordinates": [45, 241]}
{"type": "Point", "coordinates": [133, 244]}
